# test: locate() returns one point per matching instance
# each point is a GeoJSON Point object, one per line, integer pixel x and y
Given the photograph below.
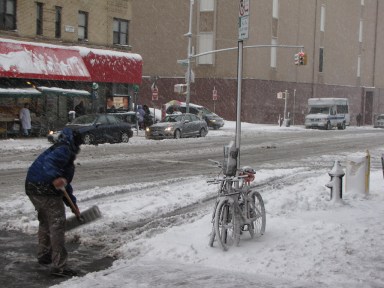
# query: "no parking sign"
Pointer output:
{"type": "Point", "coordinates": [214, 94]}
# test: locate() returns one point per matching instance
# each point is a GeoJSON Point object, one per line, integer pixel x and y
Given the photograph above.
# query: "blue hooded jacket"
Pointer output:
{"type": "Point", "coordinates": [56, 161]}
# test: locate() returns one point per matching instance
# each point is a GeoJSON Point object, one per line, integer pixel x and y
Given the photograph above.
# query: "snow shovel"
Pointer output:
{"type": "Point", "coordinates": [89, 215]}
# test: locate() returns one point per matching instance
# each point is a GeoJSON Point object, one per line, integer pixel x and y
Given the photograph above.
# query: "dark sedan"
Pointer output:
{"type": "Point", "coordinates": [98, 128]}
{"type": "Point", "coordinates": [177, 126]}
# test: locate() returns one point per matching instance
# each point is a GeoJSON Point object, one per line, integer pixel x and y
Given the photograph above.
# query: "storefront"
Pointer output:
{"type": "Point", "coordinates": [53, 79]}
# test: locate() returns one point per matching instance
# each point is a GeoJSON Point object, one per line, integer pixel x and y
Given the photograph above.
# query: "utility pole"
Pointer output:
{"type": "Point", "coordinates": [189, 71]}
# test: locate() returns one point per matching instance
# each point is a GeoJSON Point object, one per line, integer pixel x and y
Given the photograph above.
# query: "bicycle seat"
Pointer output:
{"type": "Point", "coordinates": [248, 170]}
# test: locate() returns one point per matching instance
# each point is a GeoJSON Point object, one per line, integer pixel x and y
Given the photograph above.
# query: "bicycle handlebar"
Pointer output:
{"type": "Point", "coordinates": [226, 178]}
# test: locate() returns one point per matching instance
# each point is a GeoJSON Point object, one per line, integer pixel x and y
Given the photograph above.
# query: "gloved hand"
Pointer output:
{"type": "Point", "coordinates": [60, 183]}
{"type": "Point", "coordinates": [77, 211]}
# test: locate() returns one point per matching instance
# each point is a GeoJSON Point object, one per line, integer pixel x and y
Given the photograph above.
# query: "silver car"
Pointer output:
{"type": "Point", "coordinates": [379, 121]}
{"type": "Point", "coordinates": [177, 126]}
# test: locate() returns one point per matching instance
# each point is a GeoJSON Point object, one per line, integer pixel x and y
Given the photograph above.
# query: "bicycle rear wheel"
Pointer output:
{"type": "Point", "coordinates": [257, 214]}
{"type": "Point", "coordinates": [225, 224]}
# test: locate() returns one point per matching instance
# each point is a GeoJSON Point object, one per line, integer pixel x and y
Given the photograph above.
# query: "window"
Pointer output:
{"type": "Point", "coordinates": [275, 9]}
{"type": "Point", "coordinates": [82, 29]}
{"type": "Point", "coordinates": [322, 18]}
{"type": "Point", "coordinates": [8, 14]}
{"type": "Point", "coordinates": [205, 45]}
{"type": "Point", "coordinates": [273, 53]}
{"type": "Point", "coordinates": [361, 31]}
{"type": "Point", "coordinates": [358, 66]}
{"type": "Point", "coordinates": [39, 18]}
{"type": "Point", "coordinates": [58, 22]}
{"type": "Point", "coordinates": [342, 109]}
{"type": "Point", "coordinates": [120, 32]}
{"type": "Point", "coordinates": [321, 59]}
{"type": "Point", "coordinates": [206, 5]}
{"type": "Point", "coordinates": [120, 89]}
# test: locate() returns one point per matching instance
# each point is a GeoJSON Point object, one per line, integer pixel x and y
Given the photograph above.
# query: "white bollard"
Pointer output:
{"type": "Point", "coordinates": [357, 174]}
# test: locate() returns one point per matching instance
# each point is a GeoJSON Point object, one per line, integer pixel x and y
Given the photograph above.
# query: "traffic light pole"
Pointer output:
{"type": "Point", "coordinates": [189, 71]}
{"type": "Point", "coordinates": [238, 105]}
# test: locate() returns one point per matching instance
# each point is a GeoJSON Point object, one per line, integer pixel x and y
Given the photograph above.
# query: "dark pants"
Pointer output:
{"type": "Point", "coordinates": [51, 234]}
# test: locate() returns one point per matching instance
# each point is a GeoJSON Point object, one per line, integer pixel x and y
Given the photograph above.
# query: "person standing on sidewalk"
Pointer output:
{"type": "Point", "coordinates": [49, 174]}
{"type": "Point", "coordinates": [80, 109]}
{"type": "Point", "coordinates": [358, 120]}
{"type": "Point", "coordinates": [25, 118]}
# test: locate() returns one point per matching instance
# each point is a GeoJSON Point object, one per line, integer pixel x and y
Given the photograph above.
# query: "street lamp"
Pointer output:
{"type": "Point", "coordinates": [189, 71]}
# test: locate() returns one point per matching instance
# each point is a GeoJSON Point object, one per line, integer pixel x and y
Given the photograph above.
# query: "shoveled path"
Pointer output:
{"type": "Point", "coordinates": [19, 267]}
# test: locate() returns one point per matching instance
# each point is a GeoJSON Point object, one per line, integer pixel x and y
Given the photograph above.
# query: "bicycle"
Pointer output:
{"type": "Point", "coordinates": [236, 209]}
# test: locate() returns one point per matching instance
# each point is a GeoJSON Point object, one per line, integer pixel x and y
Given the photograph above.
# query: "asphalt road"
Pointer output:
{"type": "Point", "coordinates": [164, 160]}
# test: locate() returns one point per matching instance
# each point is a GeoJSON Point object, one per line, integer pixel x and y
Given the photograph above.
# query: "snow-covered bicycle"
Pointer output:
{"type": "Point", "coordinates": [236, 210]}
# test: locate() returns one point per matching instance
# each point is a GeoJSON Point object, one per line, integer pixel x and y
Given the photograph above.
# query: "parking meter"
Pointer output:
{"type": "Point", "coordinates": [230, 159]}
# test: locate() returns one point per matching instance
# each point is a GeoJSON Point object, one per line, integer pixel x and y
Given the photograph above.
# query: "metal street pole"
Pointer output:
{"type": "Point", "coordinates": [238, 106]}
{"type": "Point", "coordinates": [189, 35]}
{"type": "Point", "coordinates": [294, 106]}
{"type": "Point", "coordinates": [285, 107]}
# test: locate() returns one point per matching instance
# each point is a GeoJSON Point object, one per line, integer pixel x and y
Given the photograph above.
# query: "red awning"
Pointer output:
{"type": "Point", "coordinates": [41, 61]}
{"type": "Point", "coordinates": [112, 66]}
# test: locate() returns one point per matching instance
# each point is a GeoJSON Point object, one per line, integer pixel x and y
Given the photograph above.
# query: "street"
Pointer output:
{"type": "Point", "coordinates": [107, 165]}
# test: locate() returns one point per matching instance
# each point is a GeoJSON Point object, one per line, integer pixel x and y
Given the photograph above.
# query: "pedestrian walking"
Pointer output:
{"type": "Point", "coordinates": [47, 177]}
{"type": "Point", "coordinates": [147, 119]}
{"type": "Point", "coordinates": [140, 116]}
{"type": "Point", "coordinates": [358, 120]}
{"type": "Point", "coordinates": [25, 118]}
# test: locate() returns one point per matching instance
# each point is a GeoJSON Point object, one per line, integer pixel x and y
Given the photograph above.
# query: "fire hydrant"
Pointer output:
{"type": "Point", "coordinates": [336, 183]}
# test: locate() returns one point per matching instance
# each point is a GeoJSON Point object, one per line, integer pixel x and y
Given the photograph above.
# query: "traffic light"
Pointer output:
{"type": "Point", "coordinates": [302, 58]}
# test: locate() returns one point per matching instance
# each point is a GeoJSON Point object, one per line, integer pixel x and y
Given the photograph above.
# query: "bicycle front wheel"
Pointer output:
{"type": "Point", "coordinates": [256, 214]}
{"type": "Point", "coordinates": [225, 224]}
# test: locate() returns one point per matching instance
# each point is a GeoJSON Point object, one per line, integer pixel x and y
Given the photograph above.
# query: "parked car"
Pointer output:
{"type": "Point", "coordinates": [127, 116]}
{"type": "Point", "coordinates": [177, 126]}
{"type": "Point", "coordinates": [98, 128]}
{"type": "Point", "coordinates": [213, 120]}
{"type": "Point", "coordinates": [131, 116]}
{"type": "Point", "coordinates": [379, 121]}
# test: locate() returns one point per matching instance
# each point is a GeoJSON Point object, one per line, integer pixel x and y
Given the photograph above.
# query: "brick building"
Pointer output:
{"type": "Point", "coordinates": [71, 45]}
{"type": "Point", "coordinates": [343, 40]}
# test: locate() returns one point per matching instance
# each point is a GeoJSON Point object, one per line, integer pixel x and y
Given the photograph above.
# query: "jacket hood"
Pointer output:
{"type": "Point", "coordinates": [67, 137]}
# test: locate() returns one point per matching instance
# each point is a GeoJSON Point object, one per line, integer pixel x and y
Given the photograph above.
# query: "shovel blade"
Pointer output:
{"type": "Point", "coordinates": [89, 215]}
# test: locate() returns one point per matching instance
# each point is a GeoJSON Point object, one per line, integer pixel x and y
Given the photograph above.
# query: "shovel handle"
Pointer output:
{"type": "Point", "coordinates": [74, 208]}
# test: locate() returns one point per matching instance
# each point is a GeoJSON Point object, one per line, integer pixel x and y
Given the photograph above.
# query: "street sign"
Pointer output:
{"type": "Point", "coordinates": [155, 94]}
{"type": "Point", "coordinates": [183, 62]}
{"type": "Point", "coordinates": [279, 95]}
{"type": "Point", "coordinates": [243, 19]}
{"type": "Point", "coordinates": [214, 94]}
{"type": "Point", "coordinates": [244, 8]}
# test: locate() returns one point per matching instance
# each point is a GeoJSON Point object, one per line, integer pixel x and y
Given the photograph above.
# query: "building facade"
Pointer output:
{"type": "Point", "coordinates": [342, 40]}
{"type": "Point", "coordinates": [68, 44]}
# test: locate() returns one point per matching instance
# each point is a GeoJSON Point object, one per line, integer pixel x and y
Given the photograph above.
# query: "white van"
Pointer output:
{"type": "Point", "coordinates": [327, 113]}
